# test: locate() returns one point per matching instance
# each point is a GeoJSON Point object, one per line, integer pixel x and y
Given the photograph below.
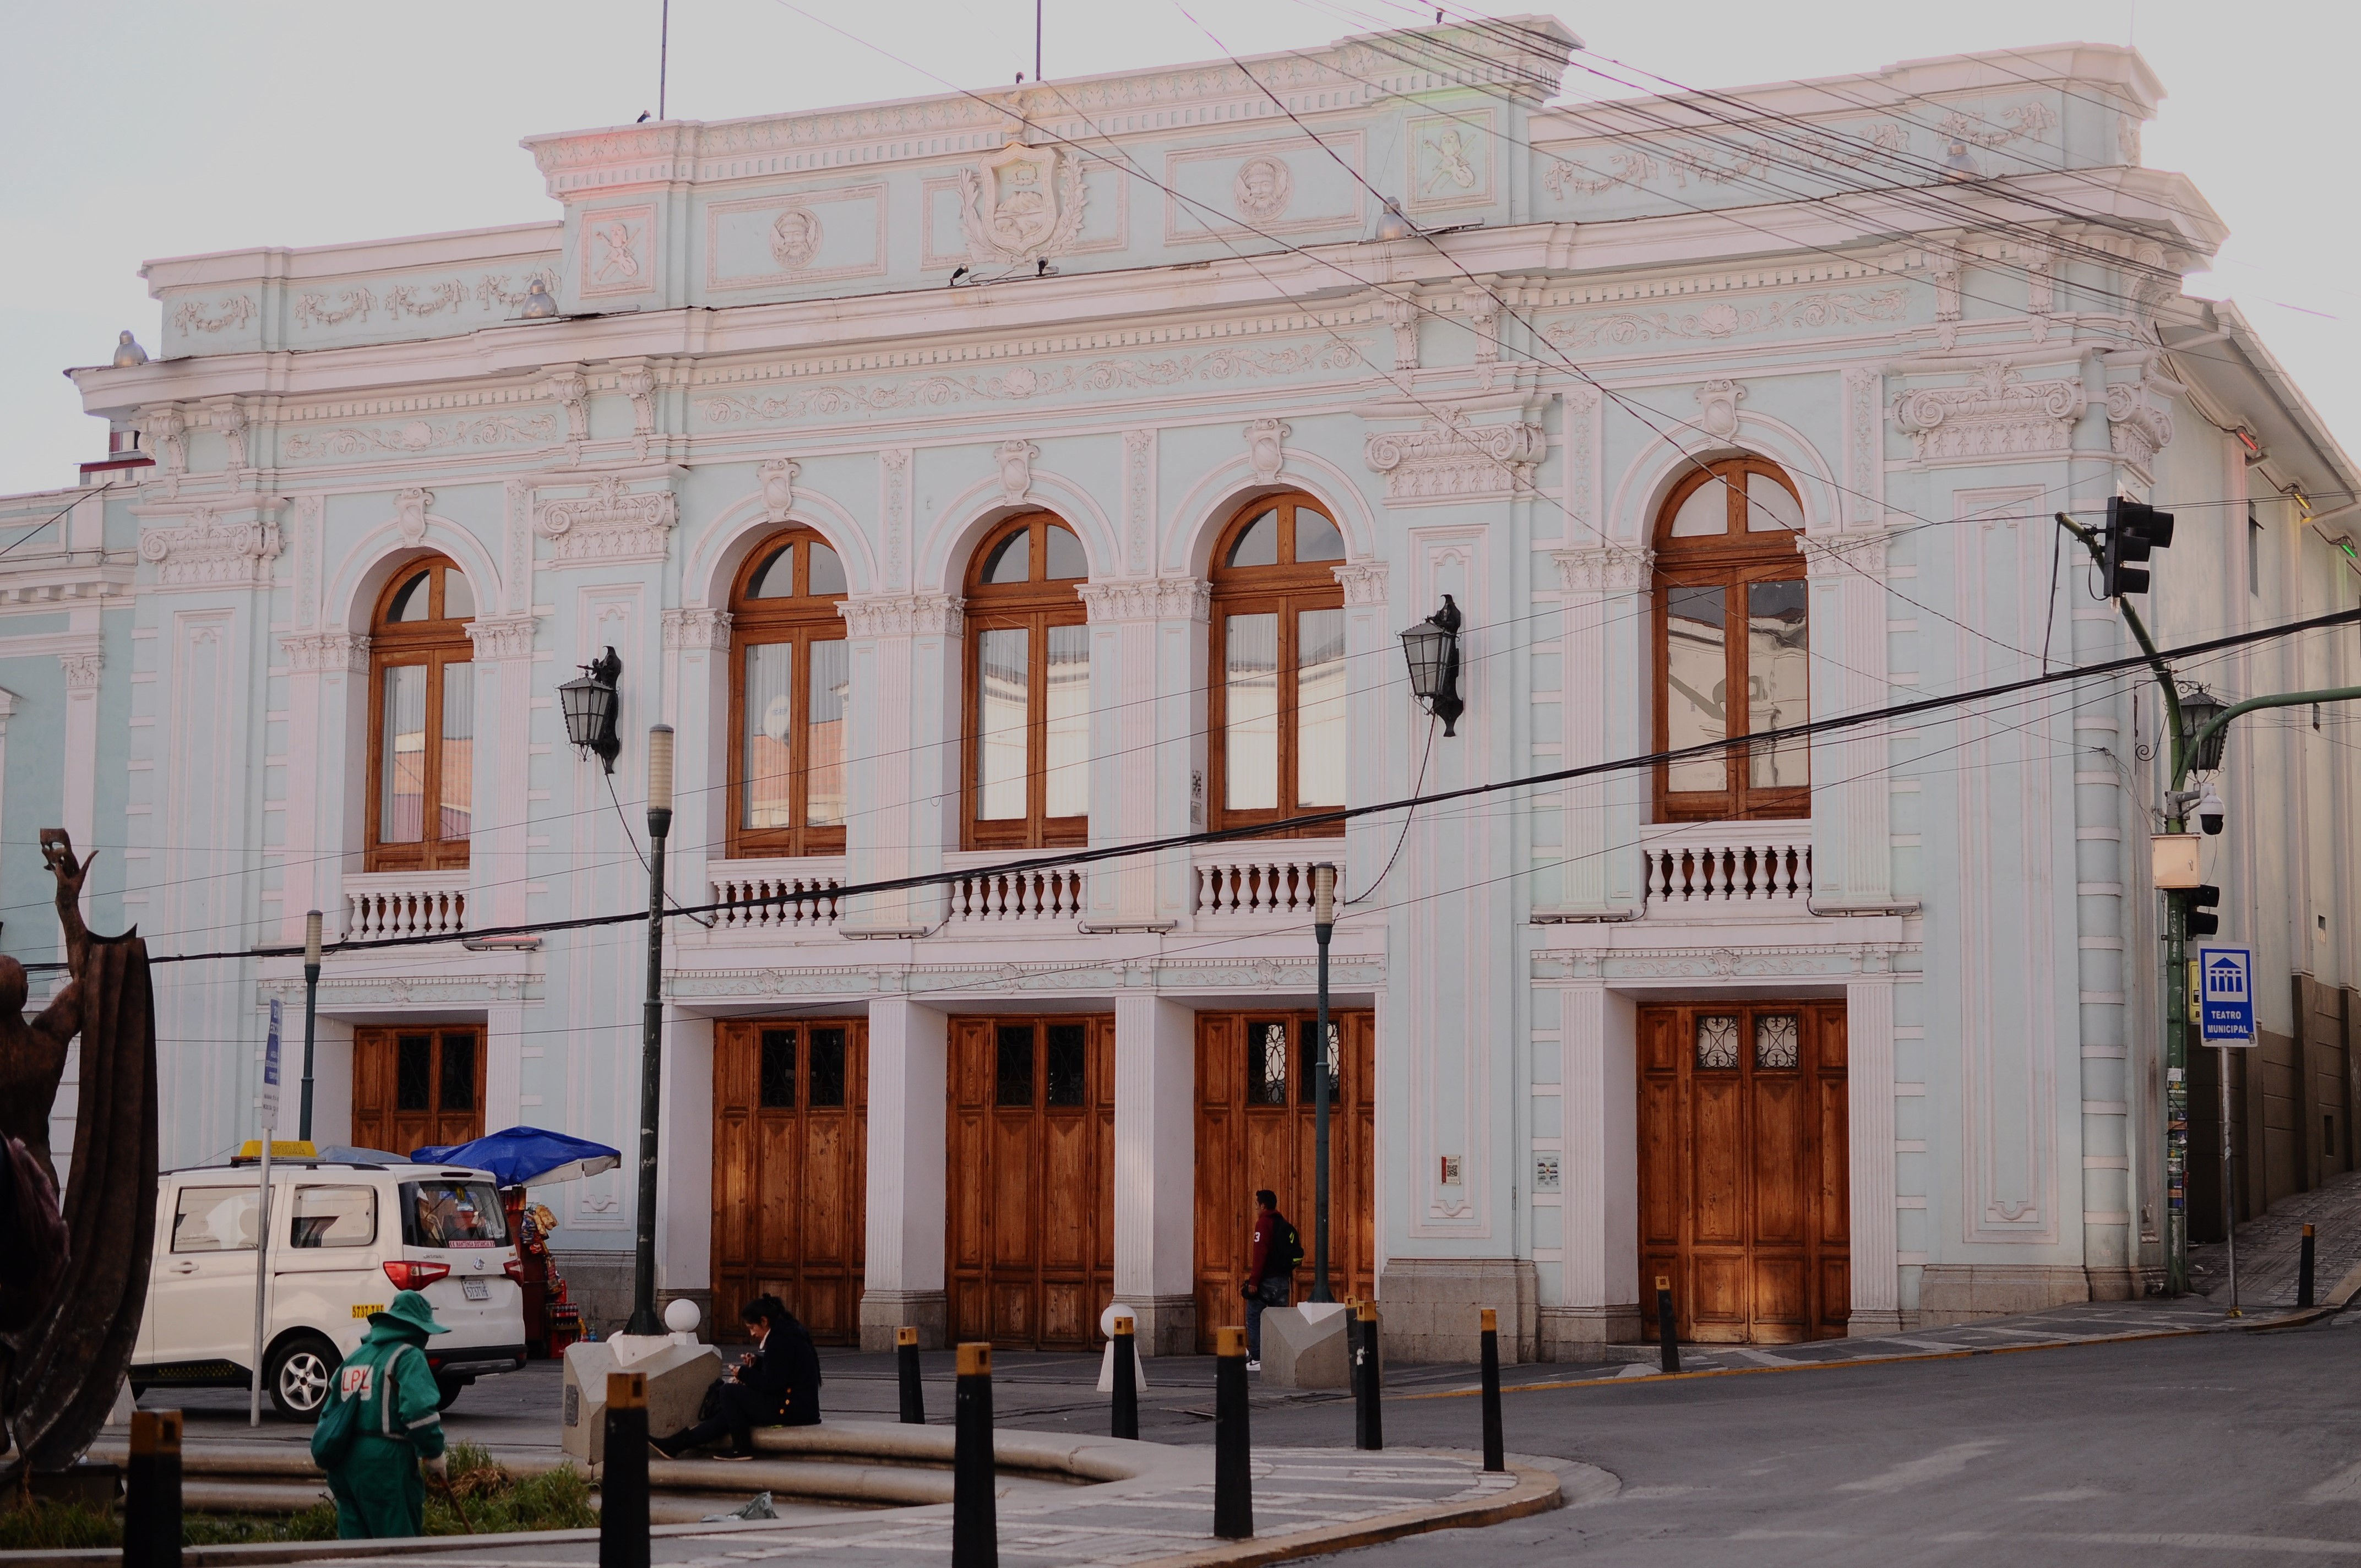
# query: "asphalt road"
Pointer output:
{"type": "Point", "coordinates": [2225, 1448]}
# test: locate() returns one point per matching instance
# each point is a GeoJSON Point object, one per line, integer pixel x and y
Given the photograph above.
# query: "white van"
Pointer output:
{"type": "Point", "coordinates": [344, 1237]}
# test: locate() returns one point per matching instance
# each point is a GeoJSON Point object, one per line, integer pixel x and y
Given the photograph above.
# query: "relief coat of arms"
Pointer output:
{"type": "Point", "coordinates": [1023, 202]}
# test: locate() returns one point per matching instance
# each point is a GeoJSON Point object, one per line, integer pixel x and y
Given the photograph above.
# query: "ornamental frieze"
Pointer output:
{"type": "Point", "coordinates": [612, 524]}
{"type": "Point", "coordinates": [1723, 319]}
{"type": "Point", "coordinates": [1449, 457]}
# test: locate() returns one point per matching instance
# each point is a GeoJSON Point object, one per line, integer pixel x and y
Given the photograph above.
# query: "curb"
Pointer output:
{"type": "Point", "coordinates": [1538, 1490]}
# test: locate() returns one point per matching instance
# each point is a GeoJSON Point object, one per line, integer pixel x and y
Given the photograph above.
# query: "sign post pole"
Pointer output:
{"type": "Point", "coordinates": [270, 1118]}
{"type": "Point", "coordinates": [2226, 1016]}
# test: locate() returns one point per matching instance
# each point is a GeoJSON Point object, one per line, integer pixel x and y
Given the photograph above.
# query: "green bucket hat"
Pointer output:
{"type": "Point", "coordinates": [413, 1310]}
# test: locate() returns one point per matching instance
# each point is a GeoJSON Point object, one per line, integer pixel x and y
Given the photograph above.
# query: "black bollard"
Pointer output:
{"type": "Point", "coordinates": [1233, 1475]}
{"type": "Point", "coordinates": [623, 1474]}
{"type": "Point", "coordinates": [1667, 1332]}
{"type": "Point", "coordinates": [1495, 1456]}
{"type": "Point", "coordinates": [975, 1532]}
{"type": "Point", "coordinates": [1126, 1379]}
{"type": "Point", "coordinates": [151, 1492]}
{"type": "Point", "coordinates": [2303, 1287]}
{"type": "Point", "coordinates": [914, 1398]}
{"type": "Point", "coordinates": [1368, 1425]}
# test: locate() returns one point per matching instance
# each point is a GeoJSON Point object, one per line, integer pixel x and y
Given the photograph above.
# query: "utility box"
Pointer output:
{"type": "Point", "coordinates": [678, 1374]}
{"type": "Point", "coordinates": [1303, 1347]}
{"type": "Point", "coordinates": [2173, 860]}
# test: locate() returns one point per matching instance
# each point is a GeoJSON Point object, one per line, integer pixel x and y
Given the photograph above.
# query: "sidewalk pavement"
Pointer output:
{"type": "Point", "coordinates": [2270, 1248]}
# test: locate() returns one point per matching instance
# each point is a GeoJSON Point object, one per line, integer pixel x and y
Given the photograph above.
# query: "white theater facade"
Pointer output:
{"type": "Point", "coordinates": [1707, 427]}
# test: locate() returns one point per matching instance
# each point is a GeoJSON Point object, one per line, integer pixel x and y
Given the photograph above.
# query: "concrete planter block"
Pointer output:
{"type": "Point", "coordinates": [678, 1374]}
{"type": "Point", "coordinates": [1303, 1347]}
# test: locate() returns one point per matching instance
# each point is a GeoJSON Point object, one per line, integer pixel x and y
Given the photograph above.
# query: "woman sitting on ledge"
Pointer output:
{"type": "Point", "coordinates": [776, 1386]}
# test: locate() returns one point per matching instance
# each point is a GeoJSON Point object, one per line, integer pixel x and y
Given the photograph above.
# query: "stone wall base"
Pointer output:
{"type": "Point", "coordinates": [1163, 1325]}
{"type": "Point", "coordinates": [1967, 1293]}
{"type": "Point", "coordinates": [2125, 1284]}
{"type": "Point", "coordinates": [883, 1312]}
{"type": "Point", "coordinates": [1428, 1308]}
{"type": "Point", "coordinates": [600, 1284]}
{"type": "Point", "coordinates": [1574, 1333]}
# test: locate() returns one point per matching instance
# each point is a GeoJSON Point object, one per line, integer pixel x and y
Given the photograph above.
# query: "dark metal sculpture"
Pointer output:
{"type": "Point", "coordinates": [58, 1377]}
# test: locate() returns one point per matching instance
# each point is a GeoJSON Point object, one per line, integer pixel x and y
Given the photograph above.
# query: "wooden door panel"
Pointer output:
{"type": "Point", "coordinates": [1242, 1147]}
{"type": "Point", "coordinates": [789, 1180]}
{"type": "Point", "coordinates": [1743, 1174]}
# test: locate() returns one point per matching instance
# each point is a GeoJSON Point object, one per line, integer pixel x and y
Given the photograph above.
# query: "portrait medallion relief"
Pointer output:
{"type": "Point", "coordinates": [1262, 189]}
{"type": "Point", "coordinates": [795, 237]}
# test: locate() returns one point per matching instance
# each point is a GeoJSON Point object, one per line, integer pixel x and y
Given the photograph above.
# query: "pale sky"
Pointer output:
{"type": "Point", "coordinates": [139, 128]}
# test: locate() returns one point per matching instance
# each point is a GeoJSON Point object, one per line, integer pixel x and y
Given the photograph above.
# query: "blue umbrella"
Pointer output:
{"type": "Point", "coordinates": [518, 1157]}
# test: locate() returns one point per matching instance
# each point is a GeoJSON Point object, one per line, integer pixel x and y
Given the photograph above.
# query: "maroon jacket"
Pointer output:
{"type": "Point", "coordinates": [1270, 1229]}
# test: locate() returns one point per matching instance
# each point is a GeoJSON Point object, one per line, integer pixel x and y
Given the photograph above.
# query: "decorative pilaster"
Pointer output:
{"type": "Point", "coordinates": [1603, 633]}
{"type": "Point", "coordinates": [908, 1078]}
{"type": "Point", "coordinates": [1156, 1169]}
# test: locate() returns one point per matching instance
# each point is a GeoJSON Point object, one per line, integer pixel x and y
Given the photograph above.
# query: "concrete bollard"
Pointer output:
{"type": "Point", "coordinates": [914, 1398]}
{"type": "Point", "coordinates": [1667, 1331]}
{"type": "Point", "coordinates": [1495, 1457]}
{"type": "Point", "coordinates": [1368, 1423]}
{"type": "Point", "coordinates": [975, 1531]}
{"type": "Point", "coordinates": [1126, 1379]}
{"type": "Point", "coordinates": [1233, 1456]}
{"type": "Point", "coordinates": [624, 1473]}
{"type": "Point", "coordinates": [152, 1493]}
{"type": "Point", "coordinates": [2303, 1282]}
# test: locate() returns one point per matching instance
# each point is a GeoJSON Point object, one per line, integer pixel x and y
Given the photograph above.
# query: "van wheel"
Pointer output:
{"type": "Point", "coordinates": [298, 1373]}
{"type": "Point", "coordinates": [449, 1388]}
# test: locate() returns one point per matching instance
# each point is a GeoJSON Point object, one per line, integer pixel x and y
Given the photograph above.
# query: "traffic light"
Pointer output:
{"type": "Point", "coordinates": [2133, 532]}
{"type": "Point", "coordinates": [2203, 897]}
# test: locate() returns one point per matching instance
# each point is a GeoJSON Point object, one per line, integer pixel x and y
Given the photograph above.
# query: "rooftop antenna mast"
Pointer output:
{"type": "Point", "coordinates": [1037, 39]}
{"type": "Point", "coordinates": [664, 57]}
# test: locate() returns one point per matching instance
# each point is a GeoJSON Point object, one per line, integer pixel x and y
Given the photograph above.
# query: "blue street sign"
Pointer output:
{"type": "Point", "coordinates": [270, 1072]}
{"type": "Point", "coordinates": [2225, 990]}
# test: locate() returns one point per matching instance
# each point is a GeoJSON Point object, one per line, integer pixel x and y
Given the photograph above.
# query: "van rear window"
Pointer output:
{"type": "Point", "coordinates": [452, 1214]}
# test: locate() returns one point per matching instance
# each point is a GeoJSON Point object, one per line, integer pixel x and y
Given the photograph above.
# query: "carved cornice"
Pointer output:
{"type": "Point", "coordinates": [1146, 598]}
{"type": "Point", "coordinates": [697, 629]}
{"type": "Point", "coordinates": [903, 615]}
{"type": "Point", "coordinates": [1843, 555]}
{"type": "Point", "coordinates": [1606, 569]}
{"type": "Point", "coordinates": [612, 524]}
{"type": "Point", "coordinates": [208, 552]}
{"type": "Point", "coordinates": [327, 652]}
{"type": "Point", "coordinates": [502, 637]}
{"type": "Point", "coordinates": [1449, 457]}
{"type": "Point", "coordinates": [1998, 414]}
{"type": "Point", "coordinates": [2139, 420]}
{"type": "Point", "coordinates": [1364, 582]}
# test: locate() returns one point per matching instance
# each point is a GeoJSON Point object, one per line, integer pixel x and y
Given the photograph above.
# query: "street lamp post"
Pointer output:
{"type": "Point", "coordinates": [311, 1015]}
{"type": "Point", "coordinates": [1324, 1072]}
{"type": "Point", "coordinates": [644, 1262]}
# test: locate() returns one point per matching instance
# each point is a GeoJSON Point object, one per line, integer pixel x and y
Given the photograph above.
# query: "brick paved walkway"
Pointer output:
{"type": "Point", "coordinates": [2270, 1246]}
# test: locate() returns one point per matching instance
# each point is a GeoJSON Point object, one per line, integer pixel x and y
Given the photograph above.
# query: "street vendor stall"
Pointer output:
{"type": "Point", "coordinates": [520, 1157]}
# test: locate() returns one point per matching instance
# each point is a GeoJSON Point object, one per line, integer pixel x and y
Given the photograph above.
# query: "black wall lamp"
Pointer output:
{"type": "Point", "coordinates": [589, 702]}
{"type": "Point", "coordinates": [1432, 649]}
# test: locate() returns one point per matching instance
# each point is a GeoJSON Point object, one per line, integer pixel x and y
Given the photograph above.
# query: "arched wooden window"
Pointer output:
{"type": "Point", "coordinates": [422, 720]}
{"type": "Point", "coordinates": [1029, 736]}
{"type": "Point", "coordinates": [790, 681]}
{"type": "Point", "coordinates": [1276, 706]}
{"type": "Point", "coordinates": [1734, 650]}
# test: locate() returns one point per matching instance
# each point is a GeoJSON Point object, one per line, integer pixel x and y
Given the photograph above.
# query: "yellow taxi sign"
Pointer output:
{"type": "Point", "coordinates": [281, 1149]}
{"type": "Point", "coordinates": [365, 1308]}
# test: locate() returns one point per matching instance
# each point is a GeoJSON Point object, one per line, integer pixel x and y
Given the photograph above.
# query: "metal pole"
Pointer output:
{"type": "Point", "coordinates": [151, 1492]}
{"type": "Point", "coordinates": [643, 1262]}
{"type": "Point", "coordinates": [261, 1288]}
{"type": "Point", "coordinates": [311, 1015]}
{"type": "Point", "coordinates": [1233, 1458]}
{"type": "Point", "coordinates": [1323, 925]}
{"type": "Point", "coordinates": [2229, 1203]}
{"type": "Point", "coordinates": [975, 1528]}
{"type": "Point", "coordinates": [905, 1357]}
{"type": "Point", "coordinates": [663, 58]}
{"type": "Point", "coordinates": [623, 1474]}
{"type": "Point", "coordinates": [1036, 40]}
{"type": "Point", "coordinates": [1495, 1452]}
{"type": "Point", "coordinates": [1125, 1410]}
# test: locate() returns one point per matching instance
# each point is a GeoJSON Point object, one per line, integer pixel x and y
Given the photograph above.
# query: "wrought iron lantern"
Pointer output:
{"type": "Point", "coordinates": [2200, 708]}
{"type": "Point", "coordinates": [589, 702]}
{"type": "Point", "coordinates": [1432, 649]}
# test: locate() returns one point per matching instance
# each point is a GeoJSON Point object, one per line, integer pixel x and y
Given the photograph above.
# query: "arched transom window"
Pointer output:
{"type": "Point", "coordinates": [422, 720]}
{"type": "Point", "coordinates": [1028, 775]}
{"type": "Point", "coordinates": [1277, 698]}
{"type": "Point", "coordinates": [1733, 649]}
{"type": "Point", "coordinates": [791, 677]}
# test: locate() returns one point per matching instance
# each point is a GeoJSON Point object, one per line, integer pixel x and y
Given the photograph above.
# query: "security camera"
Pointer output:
{"type": "Point", "coordinates": [2209, 811]}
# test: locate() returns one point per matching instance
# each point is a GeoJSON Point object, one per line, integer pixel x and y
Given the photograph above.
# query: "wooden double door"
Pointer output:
{"type": "Point", "coordinates": [1256, 1119]}
{"type": "Point", "coordinates": [418, 1087]}
{"type": "Point", "coordinates": [1744, 1172]}
{"type": "Point", "coordinates": [790, 1171]}
{"type": "Point", "coordinates": [1029, 1248]}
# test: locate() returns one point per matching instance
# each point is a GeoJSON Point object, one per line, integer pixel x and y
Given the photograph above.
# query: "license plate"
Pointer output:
{"type": "Point", "coordinates": [478, 1289]}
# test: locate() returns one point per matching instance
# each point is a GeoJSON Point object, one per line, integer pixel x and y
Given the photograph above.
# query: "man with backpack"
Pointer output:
{"type": "Point", "coordinates": [1270, 1272]}
{"type": "Point", "coordinates": [383, 1419]}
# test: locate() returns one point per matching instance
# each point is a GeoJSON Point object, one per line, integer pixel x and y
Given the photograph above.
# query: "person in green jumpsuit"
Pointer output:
{"type": "Point", "coordinates": [381, 1421]}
